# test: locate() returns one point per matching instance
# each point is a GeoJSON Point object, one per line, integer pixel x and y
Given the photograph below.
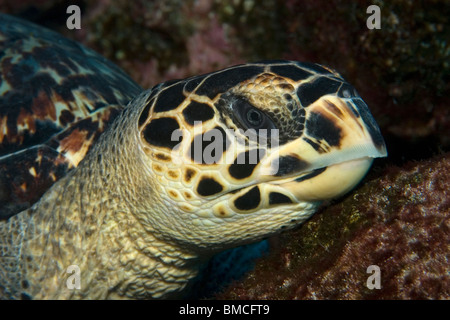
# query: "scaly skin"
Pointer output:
{"type": "Point", "coordinates": [109, 218]}
{"type": "Point", "coordinates": [89, 219]}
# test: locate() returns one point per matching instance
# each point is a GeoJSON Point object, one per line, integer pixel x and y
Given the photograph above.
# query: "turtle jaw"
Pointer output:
{"type": "Point", "coordinates": [328, 183]}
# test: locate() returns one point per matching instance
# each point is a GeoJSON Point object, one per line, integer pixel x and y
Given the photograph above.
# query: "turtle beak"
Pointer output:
{"type": "Point", "coordinates": [335, 151]}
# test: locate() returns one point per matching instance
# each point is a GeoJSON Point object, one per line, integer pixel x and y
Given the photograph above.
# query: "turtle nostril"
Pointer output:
{"type": "Point", "coordinates": [346, 94]}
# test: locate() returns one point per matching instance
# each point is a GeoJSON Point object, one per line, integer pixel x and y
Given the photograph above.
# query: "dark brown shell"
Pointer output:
{"type": "Point", "coordinates": [56, 98]}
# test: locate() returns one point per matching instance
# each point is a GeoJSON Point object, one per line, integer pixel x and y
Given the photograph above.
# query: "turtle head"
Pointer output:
{"type": "Point", "coordinates": [242, 153]}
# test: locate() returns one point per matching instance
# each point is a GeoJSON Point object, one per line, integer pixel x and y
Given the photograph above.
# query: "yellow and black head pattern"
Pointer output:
{"type": "Point", "coordinates": [262, 139]}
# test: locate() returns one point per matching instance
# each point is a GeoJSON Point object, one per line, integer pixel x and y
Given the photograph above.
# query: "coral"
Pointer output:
{"type": "Point", "coordinates": [399, 222]}
{"type": "Point", "coordinates": [255, 27]}
{"type": "Point", "coordinates": [149, 30]}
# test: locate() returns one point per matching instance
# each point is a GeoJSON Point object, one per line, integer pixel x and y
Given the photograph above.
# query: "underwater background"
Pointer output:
{"type": "Point", "coordinates": [398, 217]}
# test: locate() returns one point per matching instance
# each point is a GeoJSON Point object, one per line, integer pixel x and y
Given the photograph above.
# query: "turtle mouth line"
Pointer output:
{"type": "Point", "coordinates": [299, 177]}
{"type": "Point", "coordinates": [322, 183]}
{"type": "Point", "coordinates": [281, 180]}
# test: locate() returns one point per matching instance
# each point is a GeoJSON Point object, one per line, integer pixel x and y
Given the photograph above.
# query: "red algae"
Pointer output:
{"type": "Point", "coordinates": [399, 222]}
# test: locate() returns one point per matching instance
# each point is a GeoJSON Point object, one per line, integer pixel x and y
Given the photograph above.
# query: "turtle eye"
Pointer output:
{"type": "Point", "coordinates": [251, 117]}
{"type": "Point", "coordinates": [254, 117]}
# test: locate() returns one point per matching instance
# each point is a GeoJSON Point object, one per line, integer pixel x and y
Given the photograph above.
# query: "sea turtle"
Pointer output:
{"type": "Point", "coordinates": [104, 199]}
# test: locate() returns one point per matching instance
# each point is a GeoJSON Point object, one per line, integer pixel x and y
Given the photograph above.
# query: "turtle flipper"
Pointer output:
{"type": "Point", "coordinates": [25, 176]}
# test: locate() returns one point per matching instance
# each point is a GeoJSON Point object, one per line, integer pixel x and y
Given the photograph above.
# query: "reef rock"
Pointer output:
{"type": "Point", "coordinates": [398, 223]}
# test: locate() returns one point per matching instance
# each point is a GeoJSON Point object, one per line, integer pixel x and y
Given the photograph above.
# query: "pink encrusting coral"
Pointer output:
{"type": "Point", "coordinates": [399, 222]}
